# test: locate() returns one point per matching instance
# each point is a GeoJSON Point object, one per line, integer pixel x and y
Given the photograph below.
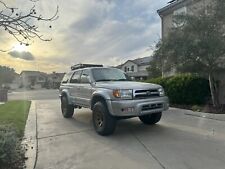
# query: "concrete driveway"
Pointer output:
{"type": "Point", "coordinates": [179, 141]}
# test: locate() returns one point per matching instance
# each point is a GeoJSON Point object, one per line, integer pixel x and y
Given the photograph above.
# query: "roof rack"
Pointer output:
{"type": "Point", "coordinates": [80, 66]}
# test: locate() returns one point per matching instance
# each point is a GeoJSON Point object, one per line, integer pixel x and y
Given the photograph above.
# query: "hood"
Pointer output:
{"type": "Point", "coordinates": [126, 85]}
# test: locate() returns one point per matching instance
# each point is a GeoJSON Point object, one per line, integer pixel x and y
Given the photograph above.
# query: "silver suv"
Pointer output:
{"type": "Point", "coordinates": [111, 95]}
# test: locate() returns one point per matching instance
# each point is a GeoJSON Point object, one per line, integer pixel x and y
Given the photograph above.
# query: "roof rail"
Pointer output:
{"type": "Point", "coordinates": [79, 66]}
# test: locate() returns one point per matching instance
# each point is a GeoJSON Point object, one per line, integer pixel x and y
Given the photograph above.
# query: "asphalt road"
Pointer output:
{"type": "Point", "coordinates": [179, 141]}
{"type": "Point", "coordinates": [43, 94]}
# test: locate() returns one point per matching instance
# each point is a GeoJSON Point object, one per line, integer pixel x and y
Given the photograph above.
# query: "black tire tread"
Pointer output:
{"type": "Point", "coordinates": [151, 119]}
{"type": "Point", "coordinates": [110, 121]}
{"type": "Point", "coordinates": [70, 109]}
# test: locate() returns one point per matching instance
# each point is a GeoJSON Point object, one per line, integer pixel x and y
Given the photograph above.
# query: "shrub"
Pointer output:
{"type": "Point", "coordinates": [11, 151]}
{"type": "Point", "coordinates": [184, 88]}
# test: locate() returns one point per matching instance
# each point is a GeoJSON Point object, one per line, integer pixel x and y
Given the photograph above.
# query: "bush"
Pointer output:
{"type": "Point", "coordinates": [184, 88]}
{"type": "Point", "coordinates": [11, 151]}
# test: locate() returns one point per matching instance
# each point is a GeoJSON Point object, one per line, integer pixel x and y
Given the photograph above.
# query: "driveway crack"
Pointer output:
{"type": "Point", "coordinates": [64, 134]}
{"type": "Point", "coordinates": [148, 150]}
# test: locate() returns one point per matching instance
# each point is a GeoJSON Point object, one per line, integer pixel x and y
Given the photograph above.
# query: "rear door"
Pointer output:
{"type": "Point", "coordinates": [85, 88]}
{"type": "Point", "coordinates": [64, 83]}
{"type": "Point", "coordinates": [74, 86]}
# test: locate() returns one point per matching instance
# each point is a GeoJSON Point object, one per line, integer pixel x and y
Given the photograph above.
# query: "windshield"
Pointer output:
{"type": "Point", "coordinates": [109, 74]}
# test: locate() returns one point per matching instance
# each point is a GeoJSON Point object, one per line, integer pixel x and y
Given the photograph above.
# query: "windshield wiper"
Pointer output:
{"type": "Point", "coordinates": [101, 80]}
{"type": "Point", "coordinates": [121, 80]}
{"type": "Point", "coordinates": [104, 80]}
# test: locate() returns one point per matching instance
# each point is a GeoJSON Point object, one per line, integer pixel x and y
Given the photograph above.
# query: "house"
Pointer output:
{"type": "Point", "coordinates": [33, 79]}
{"type": "Point", "coordinates": [136, 68]}
{"type": "Point", "coordinates": [177, 7]}
{"type": "Point", "coordinates": [54, 80]}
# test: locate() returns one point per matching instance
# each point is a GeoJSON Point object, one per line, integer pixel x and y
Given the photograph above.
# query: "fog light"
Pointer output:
{"type": "Point", "coordinates": [128, 109]}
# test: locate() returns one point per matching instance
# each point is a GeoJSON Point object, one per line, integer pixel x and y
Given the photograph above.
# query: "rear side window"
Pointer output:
{"type": "Point", "coordinates": [66, 77]}
{"type": "Point", "coordinates": [76, 77]}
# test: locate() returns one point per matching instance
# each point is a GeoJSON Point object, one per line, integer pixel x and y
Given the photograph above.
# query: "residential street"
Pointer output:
{"type": "Point", "coordinates": [179, 141]}
{"type": "Point", "coordinates": [42, 94]}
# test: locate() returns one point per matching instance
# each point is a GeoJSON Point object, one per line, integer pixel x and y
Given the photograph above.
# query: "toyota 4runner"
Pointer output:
{"type": "Point", "coordinates": [111, 95]}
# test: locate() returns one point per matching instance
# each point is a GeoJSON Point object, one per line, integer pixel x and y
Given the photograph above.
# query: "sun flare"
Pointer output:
{"type": "Point", "coordinates": [20, 48]}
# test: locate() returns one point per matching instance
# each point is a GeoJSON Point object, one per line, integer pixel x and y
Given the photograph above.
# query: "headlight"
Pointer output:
{"type": "Point", "coordinates": [123, 93]}
{"type": "Point", "coordinates": [161, 92]}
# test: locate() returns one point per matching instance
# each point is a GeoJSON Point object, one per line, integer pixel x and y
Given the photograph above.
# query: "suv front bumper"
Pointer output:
{"type": "Point", "coordinates": [137, 107]}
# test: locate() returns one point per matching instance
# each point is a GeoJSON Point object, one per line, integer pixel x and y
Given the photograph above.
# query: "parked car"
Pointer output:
{"type": "Point", "coordinates": [111, 96]}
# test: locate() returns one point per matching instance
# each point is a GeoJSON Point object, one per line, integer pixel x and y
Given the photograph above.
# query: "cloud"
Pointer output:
{"type": "Point", "coordinates": [124, 29]}
{"type": "Point", "coordinates": [22, 55]}
{"type": "Point", "coordinates": [94, 31]}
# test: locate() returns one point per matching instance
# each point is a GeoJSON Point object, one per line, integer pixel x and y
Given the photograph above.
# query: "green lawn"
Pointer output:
{"type": "Point", "coordinates": [15, 113]}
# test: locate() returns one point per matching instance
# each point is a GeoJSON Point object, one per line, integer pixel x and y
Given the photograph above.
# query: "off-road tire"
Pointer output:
{"type": "Point", "coordinates": [151, 119]}
{"type": "Point", "coordinates": [104, 123]}
{"type": "Point", "coordinates": [67, 109]}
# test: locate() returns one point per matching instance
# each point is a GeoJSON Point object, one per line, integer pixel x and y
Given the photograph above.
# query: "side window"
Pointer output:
{"type": "Point", "coordinates": [132, 68]}
{"type": "Point", "coordinates": [66, 77]}
{"type": "Point", "coordinates": [76, 77]}
{"type": "Point", "coordinates": [176, 21]}
{"type": "Point", "coordinates": [85, 77]}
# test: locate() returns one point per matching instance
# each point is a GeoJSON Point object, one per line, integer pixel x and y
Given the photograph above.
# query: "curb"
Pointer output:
{"type": "Point", "coordinates": [218, 117]}
{"type": "Point", "coordinates": [30, 137]}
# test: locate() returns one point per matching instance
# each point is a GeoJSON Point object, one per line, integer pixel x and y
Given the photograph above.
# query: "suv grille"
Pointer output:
{"type": "Point", "coordinates": [143, 94]}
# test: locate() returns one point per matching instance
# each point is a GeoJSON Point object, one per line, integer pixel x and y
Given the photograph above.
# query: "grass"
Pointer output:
{"type": "Point", "coordinates": [15, 113]}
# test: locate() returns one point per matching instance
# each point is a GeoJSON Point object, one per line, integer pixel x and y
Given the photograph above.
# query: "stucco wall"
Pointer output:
{"type": "Point", "coordinates": [221, 78]}
{"type": "Point", "coordinates": [142, 68]}
{"type": "Point", "coordinates": [192, 6]}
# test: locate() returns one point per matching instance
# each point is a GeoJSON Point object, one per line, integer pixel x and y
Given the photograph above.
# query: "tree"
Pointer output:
{"type": "Point", "coordinates": [160, 63]}
{"type": "Point", "coordinates": [7, 75]}
{"type": "Point", "coordinates": [23, 25]}
{"type": "Point", "coordinates": [197, 46]}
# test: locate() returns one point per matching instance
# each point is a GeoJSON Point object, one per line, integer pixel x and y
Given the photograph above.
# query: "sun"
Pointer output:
{"type": "Point", "coordinates": [20, 48]}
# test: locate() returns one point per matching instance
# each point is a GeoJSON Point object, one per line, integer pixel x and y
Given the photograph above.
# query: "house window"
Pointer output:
{"type": "Point", "coordinates": [176, 21]}
{"type": "Point", "coordinates": [132, 68]}
{"type": "Point", "coordinates": [128, 69]}
{"type": "Point", "coordinates": [125, 69]}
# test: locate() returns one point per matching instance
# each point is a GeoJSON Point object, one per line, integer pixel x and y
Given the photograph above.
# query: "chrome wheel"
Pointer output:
{"type": "Point", "coordinates": [98, 119]}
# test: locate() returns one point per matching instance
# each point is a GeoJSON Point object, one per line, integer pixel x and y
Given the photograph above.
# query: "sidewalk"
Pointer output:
{"type": "Point", "coordinates": [219, 117]}
{"type": "Point", "coordinates": [30, 138]}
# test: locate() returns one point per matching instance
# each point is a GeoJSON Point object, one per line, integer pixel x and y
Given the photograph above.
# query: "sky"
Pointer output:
{"type": "Point", "coordinates": [105, 32]}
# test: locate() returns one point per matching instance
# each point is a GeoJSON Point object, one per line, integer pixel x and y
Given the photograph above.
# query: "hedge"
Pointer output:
{"type": "Point", "coordinates": [184, 88]}
{"type": "Point", "coordinates": [11, 150]}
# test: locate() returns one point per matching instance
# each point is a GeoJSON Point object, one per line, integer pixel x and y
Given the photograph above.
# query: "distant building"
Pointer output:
{"type": "Point", "coordinates": [54, 80]}
{"type": "Point", "coordinates": [33, 79]}
{"type": "Point", "coordinates": [136, 68]}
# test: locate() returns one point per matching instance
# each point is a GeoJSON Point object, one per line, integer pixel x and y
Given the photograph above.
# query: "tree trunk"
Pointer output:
{"type": "Point", "coordinates": [162, 71]}
{"type": "Point", "coordinates": [213, 91]}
